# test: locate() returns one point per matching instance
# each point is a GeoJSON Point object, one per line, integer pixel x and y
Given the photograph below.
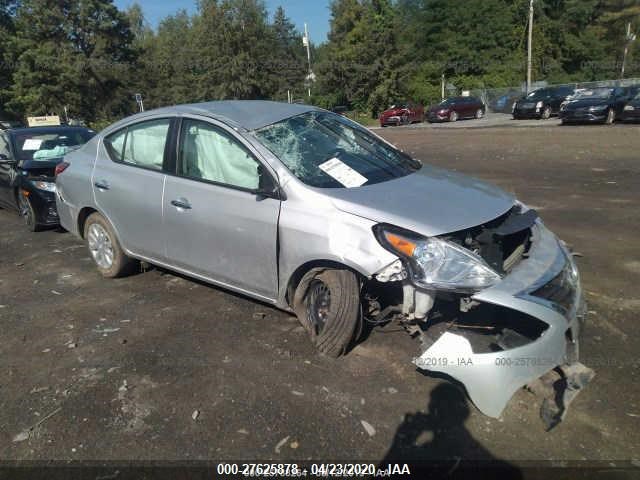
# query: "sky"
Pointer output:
{"type": "Point", "coordinates": [314, 12]}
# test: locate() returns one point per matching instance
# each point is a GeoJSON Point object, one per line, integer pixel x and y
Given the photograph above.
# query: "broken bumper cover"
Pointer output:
{"type": "Point", "coordinates": [491, 379]}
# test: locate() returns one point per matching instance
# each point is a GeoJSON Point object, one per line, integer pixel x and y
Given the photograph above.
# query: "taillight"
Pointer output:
{"type": "Point", "coordinates": [61, 167]}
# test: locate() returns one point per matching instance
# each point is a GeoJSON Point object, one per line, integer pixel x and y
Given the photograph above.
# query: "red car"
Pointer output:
{"type": "Point", "coordinates": [402, 114]}
{"type": "Point", "coordinates": [456, 108]}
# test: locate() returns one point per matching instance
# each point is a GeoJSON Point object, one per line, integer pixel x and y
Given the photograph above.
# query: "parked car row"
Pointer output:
{"type": "Point", "coordinates": [587, 105]}
{"type": "Point", "coordinates": [311, 212]}
{"type": "Point", "coordinates": [449, 110]}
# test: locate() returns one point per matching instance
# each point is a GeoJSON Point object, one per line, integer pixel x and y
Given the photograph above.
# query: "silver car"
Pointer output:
{"type": "Point", "coordinates": [306, 210]}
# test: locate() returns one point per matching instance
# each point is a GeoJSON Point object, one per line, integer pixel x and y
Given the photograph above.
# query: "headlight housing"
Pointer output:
{"type": "Point", "coordinates": [437, 264]}
{"type": "Point", "coordinates": [597, 108]}
{"type": "Point", "coordinates": [46, 186]}
{"type": "Point", "coordinates": [539, 104]}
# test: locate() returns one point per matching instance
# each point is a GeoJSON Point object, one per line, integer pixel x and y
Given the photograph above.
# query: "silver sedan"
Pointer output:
{"type": "Point", "coordinates": [306, 210]}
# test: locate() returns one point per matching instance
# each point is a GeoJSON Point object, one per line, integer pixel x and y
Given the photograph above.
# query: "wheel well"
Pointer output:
{"type": "Point", "coordinates": [82, 218]}
{"type": "Point", "coordinates": [301, 271]}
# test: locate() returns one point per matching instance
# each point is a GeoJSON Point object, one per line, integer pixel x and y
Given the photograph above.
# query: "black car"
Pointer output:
{"type": "Point", "coordinates": [631, 111]}
{"type": "Point", "coordinates": [596, 105]}
{"type": "Point", "coordinates": [28, 160]}
{"type": "Point", "coordinates": [542, 103]}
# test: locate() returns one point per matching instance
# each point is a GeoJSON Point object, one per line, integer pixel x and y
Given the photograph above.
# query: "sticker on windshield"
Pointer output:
{"type": "Point", "coordinates": [31, 144]}
{"type": "Point", "coordinates": [343, 173]}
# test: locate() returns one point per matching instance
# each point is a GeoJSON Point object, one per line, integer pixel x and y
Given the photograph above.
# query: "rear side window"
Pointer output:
{"type": "Point", "coordinates": [141, 145]}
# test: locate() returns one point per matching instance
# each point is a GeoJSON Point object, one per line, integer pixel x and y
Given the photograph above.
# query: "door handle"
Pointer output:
{"type": "Point", "coordinates": [181, 203]}
{"type": "Point", "coordinates": [102, 185]}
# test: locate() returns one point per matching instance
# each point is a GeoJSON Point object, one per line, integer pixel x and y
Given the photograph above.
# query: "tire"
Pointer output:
{"type": "Point", "coordinates": [28, 213]}
{"type": "Point", "coordinates": [479, 114]}
{"type": "Point", "coordinates": [327, 303]}
{"type": "Point", "coordinates": [104, 248]}
{"type": "Point", "coordinates": [546, 113]}
{"type": "Point", "coordinates": [453, 117]}
{"type": "Point", "coordinates": [611, 117]}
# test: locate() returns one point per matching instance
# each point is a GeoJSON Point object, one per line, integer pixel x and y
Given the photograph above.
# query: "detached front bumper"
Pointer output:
{"type": "Point", "coordinates": [491, 379]}
{"type": "Point", "coordinates": [44, 205]}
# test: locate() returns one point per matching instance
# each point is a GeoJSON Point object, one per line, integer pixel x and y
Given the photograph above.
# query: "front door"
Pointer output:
{"type": "Point", "coordinates": [215, 223]}
{"type": "Point", "coordinates": [128, 181]}
{"type": "Point", "coordinates": [7, 173]}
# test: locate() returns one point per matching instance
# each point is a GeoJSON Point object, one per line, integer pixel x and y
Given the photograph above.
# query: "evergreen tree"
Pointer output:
{"type": "Point", "coordinates": [74, 54]}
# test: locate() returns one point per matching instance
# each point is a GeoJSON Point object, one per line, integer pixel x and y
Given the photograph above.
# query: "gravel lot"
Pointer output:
{"type": "Point", "coordinates": [160, 367]}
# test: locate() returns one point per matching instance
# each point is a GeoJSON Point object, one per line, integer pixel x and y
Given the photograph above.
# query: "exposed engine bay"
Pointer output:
{"type": "Point", "coordinates": [507, 336]}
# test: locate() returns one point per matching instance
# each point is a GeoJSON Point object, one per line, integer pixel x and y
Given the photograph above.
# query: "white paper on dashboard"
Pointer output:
{"type": "Point", "coordinates": [343, 173]}
{"type": "Point", "coordinates": [31, 144]}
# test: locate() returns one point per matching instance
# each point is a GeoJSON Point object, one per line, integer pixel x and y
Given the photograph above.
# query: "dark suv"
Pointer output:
{"type": "Point", "coordinates": [542, 103]}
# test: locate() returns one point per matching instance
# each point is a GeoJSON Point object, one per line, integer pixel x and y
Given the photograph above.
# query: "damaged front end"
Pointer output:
{"type": "Point", "coordinates": [507, 335]}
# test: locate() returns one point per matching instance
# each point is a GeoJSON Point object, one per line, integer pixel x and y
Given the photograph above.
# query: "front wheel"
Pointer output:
{"type": "Point", "coordinates": [611, 117]}
{"type": "Point", "coordinates": [453, 117]}
{"type": "Point", "coordinates": [28, 213]}
{"type": "Point", "coordinates": [327, 303]}
{"type": "Point", "coordinates": [105, 249]}
{"type": "Point", "coordinates": [546, 113]}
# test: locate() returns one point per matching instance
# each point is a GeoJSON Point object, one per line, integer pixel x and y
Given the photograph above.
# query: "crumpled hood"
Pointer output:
{"type": "Point", "coordinates": [431, 202]}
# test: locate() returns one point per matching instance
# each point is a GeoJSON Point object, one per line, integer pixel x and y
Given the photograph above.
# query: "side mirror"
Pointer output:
{"type": "Point", "coordinates": [6, 160]}
{"type": "Point", "coordinates": [266, 186]}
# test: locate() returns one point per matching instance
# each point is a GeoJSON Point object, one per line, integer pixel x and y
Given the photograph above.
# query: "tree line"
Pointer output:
{"type": "Point", "coordinates": [90, 58]}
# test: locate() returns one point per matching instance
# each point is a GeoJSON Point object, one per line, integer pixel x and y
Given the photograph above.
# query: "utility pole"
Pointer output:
{"type": "Point", "coordinates": [443, 84]}
{"type": "Point", "coordinates": [629, 39]}
{"type": "Point", "coordinates": [307, 43]}
{"type": "Point", "coordinates": [138, 97]}
{"type": "Point", "coordinates": [530, 47]}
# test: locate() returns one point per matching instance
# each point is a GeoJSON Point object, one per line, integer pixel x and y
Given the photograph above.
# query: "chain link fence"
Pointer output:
{"type": "Point", "coordinates": [501, 100]}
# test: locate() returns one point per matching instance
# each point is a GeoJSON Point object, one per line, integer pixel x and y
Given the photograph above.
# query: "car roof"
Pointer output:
{"type": "Point", "coordinates": [247, 114]}
{"type": "Point", "coordinates": [51, 129]}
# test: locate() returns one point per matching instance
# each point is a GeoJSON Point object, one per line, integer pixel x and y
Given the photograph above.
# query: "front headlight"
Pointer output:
{"type": "Point", "coordinates": [46, 186]}
{"type": "Point", "coordinates": [629, 108]}
{"type": "Point", "coordinates": [539, 104]}
{"type": "Point", "coordinates": [597, 108]}
{"type": "Point", "coordinates": [437, 264]}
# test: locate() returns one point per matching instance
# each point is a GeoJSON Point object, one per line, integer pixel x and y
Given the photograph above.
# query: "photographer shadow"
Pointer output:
{"type": "Point", "coordinates": [438, 444]}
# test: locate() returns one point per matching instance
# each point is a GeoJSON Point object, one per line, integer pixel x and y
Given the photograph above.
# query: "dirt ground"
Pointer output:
{"type": "Point", "coordinates": [160, 367]}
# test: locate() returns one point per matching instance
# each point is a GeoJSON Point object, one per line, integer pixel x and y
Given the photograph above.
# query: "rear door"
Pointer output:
{"type": "Point", "coordinates": [216, 225]}
{"type": "Point", "coordinates": [128, 182]}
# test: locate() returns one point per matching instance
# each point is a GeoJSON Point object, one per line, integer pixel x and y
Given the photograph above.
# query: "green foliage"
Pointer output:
{"type": "Point", "coordinates": [90, 57]}
{"type": "Point", "coordinates": [73, 54]}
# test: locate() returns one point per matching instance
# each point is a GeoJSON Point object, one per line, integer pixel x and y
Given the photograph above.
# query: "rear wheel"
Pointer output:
{"type": "Point", "coordinates": [479, 114]}
{"type": "Point", "coordinates": [28, 213]}
{"type": "Point", "coordinates": [327, 303]}
{"type": "Point", "coordinates": [611, 117]}
{"type": "Point", "coordinates": [105, 249]}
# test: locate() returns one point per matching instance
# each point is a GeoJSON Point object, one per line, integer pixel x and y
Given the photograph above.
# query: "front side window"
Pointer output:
{"type": "Point", "coordinates": [142, 144]}
{"type": "Point", "coordinates": [327, 151]}
{"type": "Point", "coordinates": [207, 153]}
